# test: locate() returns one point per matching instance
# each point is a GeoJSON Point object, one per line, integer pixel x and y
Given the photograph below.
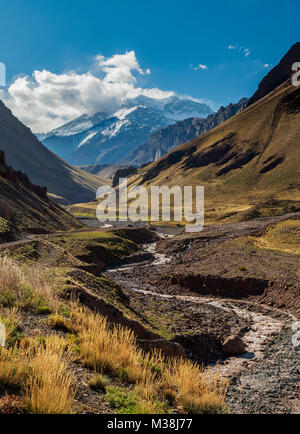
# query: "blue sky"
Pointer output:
{"type": "Point", "coordinates": [171, 38]}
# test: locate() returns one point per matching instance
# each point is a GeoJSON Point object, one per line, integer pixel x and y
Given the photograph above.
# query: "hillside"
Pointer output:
{"type": "Point", "coordinates": [24, 152]}
{"type": "Point", "coordinates": [26, 208]}
{"type": "Point", "coordinates": [166, 139]}
{"type": "Point", "coordinates": [103, 170]}
{"type": "Point", "coordinates": [277, 75]}
{"type": "Point", "coordinates": [252, 158]}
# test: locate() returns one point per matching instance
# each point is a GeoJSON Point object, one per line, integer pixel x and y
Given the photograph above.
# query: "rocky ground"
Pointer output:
{"type": "Point", "coordinates": [260, 307]}
{"type": "Point", "coordinates": [197, 293]}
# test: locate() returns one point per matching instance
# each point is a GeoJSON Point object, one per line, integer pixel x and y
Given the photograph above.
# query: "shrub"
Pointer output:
{"type": "Point", "coordinates": [57, 322]}
{"type": "Point", "coordinates": [99, 382]}
{"type": "Point", "coordinates": [44, 310]}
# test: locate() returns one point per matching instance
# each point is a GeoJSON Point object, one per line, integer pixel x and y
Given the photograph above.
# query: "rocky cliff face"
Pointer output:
{"type": "Point", "coordinates": [17, 178]}
{"type": "Point", "coordinates": [166, 139]}
{"type": "Point", "coordinates": [26, 208]}
{"type": "Point", "coordinates": [278, 75]}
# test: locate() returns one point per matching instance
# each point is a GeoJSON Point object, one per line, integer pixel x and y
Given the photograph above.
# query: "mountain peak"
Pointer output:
{"type": "Point", "coordinates": [278, 75]}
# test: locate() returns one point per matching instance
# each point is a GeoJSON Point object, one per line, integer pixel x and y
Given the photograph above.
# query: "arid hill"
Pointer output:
{"type": "Point", "coordinates": [26, 208]}
{"type": "Point", "coordinates": [24, 152]}
{"type": "Point", "coordinates": [251, 158]}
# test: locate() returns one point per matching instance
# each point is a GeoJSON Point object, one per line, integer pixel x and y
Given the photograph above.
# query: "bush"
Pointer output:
{"type": "Point", "coordinates": [44, 310]}
{"type": "Point", "coordinates": [57, 322]}
{"type": "Point", "coordinates": [98, 383]}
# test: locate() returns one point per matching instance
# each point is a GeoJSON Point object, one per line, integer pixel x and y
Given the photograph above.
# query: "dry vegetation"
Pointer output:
{"type": "Point", "coordinates": [40, 368]}
{"type": "Point", "coordinates": [284, 237]}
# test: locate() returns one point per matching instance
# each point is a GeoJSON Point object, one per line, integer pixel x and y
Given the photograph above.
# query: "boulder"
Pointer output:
{"type": "Point", "coordinates": [233, 345]}
{"type": "Point", "coordinates": [168, 348]}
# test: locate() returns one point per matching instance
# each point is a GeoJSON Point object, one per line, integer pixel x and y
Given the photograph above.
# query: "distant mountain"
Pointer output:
{"type": "Point", "coordinates": [173, 108]}
{"type": "Point", "coordinates": [107, 138]}
{"type": "Point", "coordinates": [24, 152]}
{"type": "Point", "coordinates": [164, 140]}
{"type": "Point", "coordinates": [103, 170]}
{"type": "Point", "coordinates": [26, 208]}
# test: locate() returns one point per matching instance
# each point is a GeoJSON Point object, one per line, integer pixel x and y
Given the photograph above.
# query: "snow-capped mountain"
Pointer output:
{"type": "Point", "coordinates": [105, 138]}
{"type": "Point", "coordinates": [174, 107]}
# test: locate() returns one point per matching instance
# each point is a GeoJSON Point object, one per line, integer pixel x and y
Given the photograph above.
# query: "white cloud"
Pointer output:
{"type": "Point", "coordinates": [245, 50]}
{"type": "Point", "coordinates": [45, 100]}
{"type": "Point", "coordinates": [268, 65]}
{"type": "Point", "coordinates": [199, 67]}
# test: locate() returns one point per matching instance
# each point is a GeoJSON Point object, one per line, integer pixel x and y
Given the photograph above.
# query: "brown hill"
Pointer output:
{"type": "Point", "coordinates": [26, 208]}
{"type": "Point", "coordinates": [252, 158]}
{"type": "Point", "coordinates": [24, 152]}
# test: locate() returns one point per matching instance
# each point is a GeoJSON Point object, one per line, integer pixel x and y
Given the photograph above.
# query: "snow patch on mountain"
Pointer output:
{"type": "Point", "coordinates": [104, 138]}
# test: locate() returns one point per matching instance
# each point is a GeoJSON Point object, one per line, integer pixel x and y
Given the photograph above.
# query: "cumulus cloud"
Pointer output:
{"type": "Point", "coordinates": [245, 50]}
{"type": "Point", "coordinates": [46, 100]}
{"type": "Point", "coordinates": [199, 67]}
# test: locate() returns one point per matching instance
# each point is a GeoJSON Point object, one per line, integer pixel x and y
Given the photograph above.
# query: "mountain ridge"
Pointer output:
{"type": "Point", "coordinates": [26, 208]}
{"type": "Point", "coordinates": [84, 141]}
{"type": "Point", "coordinates": [26, 153]}
{"type": "Point", "coordinates": [164, 140]}
{"type": "Point", "coordinates": [250, 159]}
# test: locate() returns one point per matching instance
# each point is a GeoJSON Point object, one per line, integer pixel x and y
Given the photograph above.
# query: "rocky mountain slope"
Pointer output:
{"type": "Point", "coordinates": [277, 75]}
{"type": "Point", "coordinates": [251, 158]}
{"type": "Point", "coordinates": [24, 152]}
{"type": "Point", "coordinates": [107, 138]}
{"type": "Point", "coordinates": [164, 140]}
{"type": "Point", "coordinates": [26, 208]}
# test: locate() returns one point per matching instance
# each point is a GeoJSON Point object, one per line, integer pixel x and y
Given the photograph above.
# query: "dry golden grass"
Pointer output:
{"type": "Point", "coordinates": [41, 370]}
{"type": "Point", "coordinates": [284, 237]}
{"type": "Point", "coordinates": [10, 317]}
{"type": "Point", "coordinates": [197, 390]}
{"type": "Point", "coordinates": [41, 366]}
{"type": "Point", "coordinates": [114, 350]}
{"type": "Point", "coordinates": [13, 371]}
{"type": "Point", "coordinates": [26, 288]}
{"type": "Point", "coordinates": [50, 387]}
{"type": "Point", "coordinates": [58, 322]}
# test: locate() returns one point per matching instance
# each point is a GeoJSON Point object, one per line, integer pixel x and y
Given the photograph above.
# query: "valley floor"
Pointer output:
{"type": "Point", "coordinates": [266, 378]}
{"type": "Point", "coordinates": [184, 294]}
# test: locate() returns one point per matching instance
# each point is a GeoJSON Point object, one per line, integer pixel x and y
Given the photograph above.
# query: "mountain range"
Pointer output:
{"type": "Point", "coordinates": [108, 138]}
{"type": "Point", "coordinates": [166, 139]}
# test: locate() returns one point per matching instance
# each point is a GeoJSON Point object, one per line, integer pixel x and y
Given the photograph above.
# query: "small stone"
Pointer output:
{"type": "Point", "coordinates": [233, 345]}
